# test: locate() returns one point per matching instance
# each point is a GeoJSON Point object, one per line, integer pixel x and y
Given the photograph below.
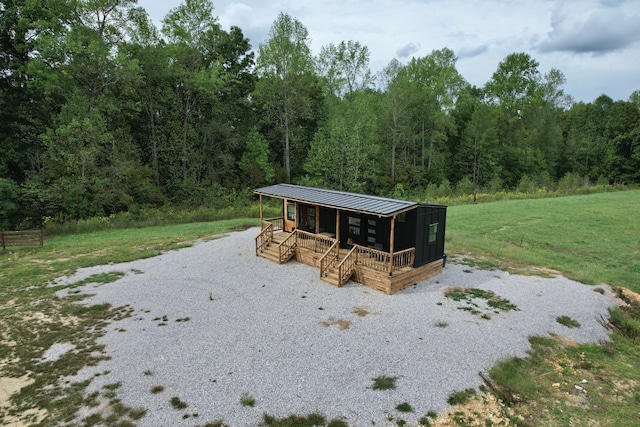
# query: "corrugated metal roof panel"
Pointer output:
{"type": "Point", "coordinates": [339, 199]}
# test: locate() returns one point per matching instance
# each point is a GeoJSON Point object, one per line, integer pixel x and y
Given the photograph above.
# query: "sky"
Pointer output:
{"type": "Point", "coordinates": [595, 43]}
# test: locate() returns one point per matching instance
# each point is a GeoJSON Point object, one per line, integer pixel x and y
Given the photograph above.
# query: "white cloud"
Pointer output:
{"type": "Point", "coordinates": [600, 31]}
{"type": "Point", "coordinates": [481, 33]}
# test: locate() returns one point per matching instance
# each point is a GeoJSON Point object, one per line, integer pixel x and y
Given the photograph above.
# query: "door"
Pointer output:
{"type": "Point", "coordinates": [289, 216]}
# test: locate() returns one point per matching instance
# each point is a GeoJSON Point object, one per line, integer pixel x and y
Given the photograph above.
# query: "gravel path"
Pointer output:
{"type": "Point", "coordinates": [297, 345]}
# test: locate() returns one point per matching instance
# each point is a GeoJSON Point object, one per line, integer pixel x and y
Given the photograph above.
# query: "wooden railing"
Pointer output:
{"type": "Point", "coordinates": [404, 258]}
{"type": "Point", "coordinates": [345, 268]}
{"type": "Point", "coordinates": [380, 261]}
{"type": "Point", "coordinates": [277, 222]}
{"type": "Point", "coordinates": [21, 238]}
{"type": "Point", "coordinates": [329, 258]}
{"type": "Point", "coordinates": [288, 246]}
{"type": "Point", "coordinates": [314, 242]}
{"type": "Point", "coordinates": [264, 238]}
{"type": "Point", "coordinates": [372, 258]}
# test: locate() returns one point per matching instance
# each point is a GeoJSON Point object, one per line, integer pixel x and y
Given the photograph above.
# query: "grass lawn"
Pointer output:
{"type": "Point", "coordinates": [592, 239]}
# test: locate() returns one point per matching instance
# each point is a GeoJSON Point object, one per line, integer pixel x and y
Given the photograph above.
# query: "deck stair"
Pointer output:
{"type": "Point", "coordinates": [271, 250]}
{"type": "Point", "coordinates": [341, 267]}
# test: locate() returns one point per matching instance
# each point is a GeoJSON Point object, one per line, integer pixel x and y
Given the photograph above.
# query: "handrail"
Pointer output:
{"type": "Point", "coordinates": [286, 248]}
{"type": "Point", "coordinates": [345, 268]}
{"type": "Point", "coordinates": [404, 258]}
{"type": "Point", "coordinates": [314, 242]}
{"type": "Point", "coordinates": [264, 238]}
{"type": "Point", "coordinates": [278, 222]}
{"type": "Point", "coordinates": [329, 258]}
{"type": "Point", "coordinates": [379, 260]}
{"type": "Point", "coordinates": [373, 258]}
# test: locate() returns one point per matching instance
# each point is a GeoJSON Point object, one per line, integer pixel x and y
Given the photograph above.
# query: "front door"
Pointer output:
{"type": "Point", "coordinates": [289, 216]}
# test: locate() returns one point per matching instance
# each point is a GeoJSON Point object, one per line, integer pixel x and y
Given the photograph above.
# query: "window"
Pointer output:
{"type": "Point", "coordinates": [291, 212]}
{"type": "Point", "coordinates": [311, 217]}
{"type": "Point", "coordinates": [402, 217]}
{"type": "Point", "coordinates": [354, 225]}
{"type": "Point", "coordinates": [433, 232]}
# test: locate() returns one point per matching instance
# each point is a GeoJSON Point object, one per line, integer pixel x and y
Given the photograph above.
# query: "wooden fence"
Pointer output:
{"type": "Point", "coordinates": [21, 238]}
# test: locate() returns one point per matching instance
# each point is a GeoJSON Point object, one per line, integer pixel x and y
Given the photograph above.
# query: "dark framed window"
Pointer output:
{"type": "Point", "coordinates": [433, 232]}
{"type": "Point", "coordinates": [291, 212]}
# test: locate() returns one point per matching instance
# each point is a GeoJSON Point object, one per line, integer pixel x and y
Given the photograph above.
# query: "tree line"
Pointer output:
{"type": "Point", "coordinates": [102, 112]}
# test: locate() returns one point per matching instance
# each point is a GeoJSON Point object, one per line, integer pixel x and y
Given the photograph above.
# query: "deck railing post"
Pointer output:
{"type": "Point", "coordinates": [391, 243]}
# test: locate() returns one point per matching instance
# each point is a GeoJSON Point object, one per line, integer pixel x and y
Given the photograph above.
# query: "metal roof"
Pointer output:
{"type": "Point", "coordinates": [375, 205]}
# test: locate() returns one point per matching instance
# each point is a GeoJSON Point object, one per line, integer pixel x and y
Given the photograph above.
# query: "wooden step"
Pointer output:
{"type": "Point", "coordinates": [272, 253]}
{"type": "Point", "coordinates": [332, 278]}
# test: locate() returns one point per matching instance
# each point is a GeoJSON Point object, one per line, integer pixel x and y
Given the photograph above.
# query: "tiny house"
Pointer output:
{"type": "Point", "coordinates": [385, 244]}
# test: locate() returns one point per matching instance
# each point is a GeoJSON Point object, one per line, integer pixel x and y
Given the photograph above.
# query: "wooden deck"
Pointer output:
{"type": "Point", "coordinates": [368, 267]}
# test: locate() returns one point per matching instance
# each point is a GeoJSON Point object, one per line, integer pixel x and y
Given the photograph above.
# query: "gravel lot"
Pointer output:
{"type": "Point", "coordinates": [241, 325]}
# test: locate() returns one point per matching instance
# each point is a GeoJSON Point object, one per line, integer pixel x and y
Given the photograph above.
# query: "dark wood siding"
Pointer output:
{"type": "Point", "coordinates": [426, 251]}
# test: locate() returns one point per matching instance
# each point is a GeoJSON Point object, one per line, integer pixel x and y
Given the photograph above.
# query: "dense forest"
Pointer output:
{"type": "Point", "coordinates": [102, 112]}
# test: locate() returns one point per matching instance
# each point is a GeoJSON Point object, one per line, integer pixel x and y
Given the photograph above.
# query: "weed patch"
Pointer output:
{"type": "Point", "coordinates": [157, 389]}
{"type": "Point", "coordinates": [247, 401]}
{"type": "Point", "coordinates": [310, 420]}
{"type": "Point", "coordinates": [404, 407]}
{"type": "Point", "coordinates": [177, 403]}
{"type": "Point", "coordinates": [384, 383]}
{"type": "Point", "coordinates": [460, 397]}
{"type": "Point", "coordinates": [473, 298]}
{"type": "Point", "coordinates": [568, 322]}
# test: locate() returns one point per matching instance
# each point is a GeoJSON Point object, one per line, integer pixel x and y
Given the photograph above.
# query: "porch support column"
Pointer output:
{"type": "Point", "coordinates": [261, 211]}
{"type": "Point", "coordinates": [391, 243]}
{"type": "Point", "coordinates": [338, 226]}
{"type": "Point", "coordinates": [317, 219]}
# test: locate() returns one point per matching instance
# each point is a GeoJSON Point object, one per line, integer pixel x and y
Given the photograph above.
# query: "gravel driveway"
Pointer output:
{"type": "Point", "coordinates": [213, 323]}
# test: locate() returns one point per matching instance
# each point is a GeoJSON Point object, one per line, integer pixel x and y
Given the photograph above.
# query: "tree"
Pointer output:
{"type": "Point", "coordinates": [397, 92]}
{"type": "Point", "coordinates": [285, 68]}
{"type": "Point", "coordinates": [515, 89]}
{"type": "Point", "coordinates": [436, 85]}
{"type": "Point", "coordinates": [343, 152]}
{"type": "Point", "coordinates": [255, 164]}
{"type": "Point", "coordinates": [345, 67]}
{"type": "Point", "coordinates": [192, 32]}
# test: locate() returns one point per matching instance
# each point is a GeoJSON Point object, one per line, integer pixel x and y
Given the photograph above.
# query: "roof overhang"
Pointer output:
{"type": "Point", "coordinates": [342, 200]}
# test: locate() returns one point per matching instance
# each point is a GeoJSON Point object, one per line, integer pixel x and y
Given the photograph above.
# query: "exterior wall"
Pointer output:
{"type": "Point", "coordinates": [308, 257]}
{"type": "Point", "coordinates": [399, 280]}
{"type": "Point", "coordinates": [427, 251]}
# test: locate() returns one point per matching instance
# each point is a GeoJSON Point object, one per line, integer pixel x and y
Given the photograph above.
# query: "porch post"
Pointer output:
{"type": "Point", "coordinates": [391, 243]}
{"type": "Point", "coordinates": [317, 219]}
{"type": "Point", "coordinates": [338, 225]}
{"type": "Point", "coordinates": [261, 210]}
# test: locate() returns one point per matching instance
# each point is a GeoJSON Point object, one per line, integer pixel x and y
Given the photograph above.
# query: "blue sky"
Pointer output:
{"type": "Point", "coordinates": [595, 43]}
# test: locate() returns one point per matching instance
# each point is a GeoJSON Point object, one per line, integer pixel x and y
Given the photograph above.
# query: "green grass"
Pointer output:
{"type": "Point", "coordinates": [311, 420]}
{"type": "Point", "coordinates": [568, 322]}
{"type": "Point", "coordinates": [384, 383]}
{"type": "Point", "coordinates": [404, 407]}
{"type": "Point", "coordinates": [589, 238]}
{"type": "Point", "coordinates": [177, 403]}
{"type": "Point", "coordinates": [247, 400]}
{"type": "Point", "coordinates": [461, 397]}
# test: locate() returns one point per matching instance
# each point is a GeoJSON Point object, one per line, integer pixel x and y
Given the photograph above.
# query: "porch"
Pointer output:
{"type": "Point", "coordinates": [383, 271]}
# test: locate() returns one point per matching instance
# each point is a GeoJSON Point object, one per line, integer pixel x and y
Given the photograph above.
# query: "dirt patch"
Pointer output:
{"type": "Point", "coordinates": [342, 323]}
{"type": "Point", "coordinates": [27, 418]}
{"type": "Point", "coordinates": [10, 385]}
{"type": "Point", "coordinates": [361, 311]}
{"type": "Point", "coordinates": [478, 411]}
{"type": "Point", "coordinates": [630, 295]}
{"type": "Point", "coordinates": [563, 341]}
